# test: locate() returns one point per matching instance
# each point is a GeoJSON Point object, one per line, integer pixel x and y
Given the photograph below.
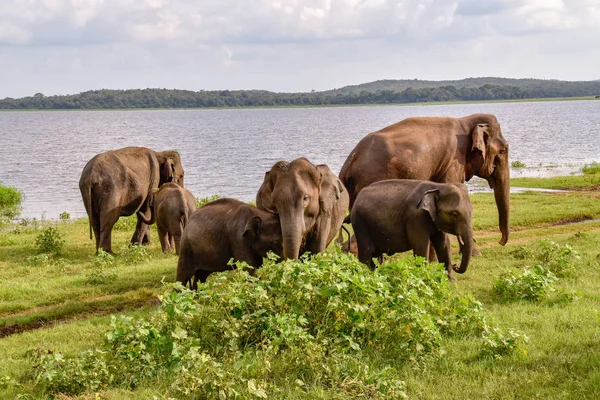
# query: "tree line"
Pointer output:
{"type": "Point", "coordinates": [168, 98]}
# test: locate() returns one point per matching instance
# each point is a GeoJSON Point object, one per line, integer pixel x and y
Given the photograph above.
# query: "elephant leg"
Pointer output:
{"type": "Point", "coordinates": [163, 237]}
{"type": "Point", "coordinates": [441, 243]}
{"type": "Point", "coordinates": [475, 251]}
{"type": "Point", "coordinates": [171, 242]}
{"type": "Point", "coordinates": [419, 240]}
{"type": "Point", "coordinates": [432, 256]}
{"type": "Point", "coordinates": [366, 250]}
{"type": "Point", "coordinates": [201, 276]}
{"type": "Point", "coordinates": [146, 239]}
{"type": "Point", "coordinates": [108, 218]}
{"type": "Point", "coordinates": [177, 240]}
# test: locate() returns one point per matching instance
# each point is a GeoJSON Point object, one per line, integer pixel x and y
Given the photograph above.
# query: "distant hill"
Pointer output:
{"type": "Point", "coordinates": [378, 92]}
{"type": "Point", "coordinates": [399, 85]}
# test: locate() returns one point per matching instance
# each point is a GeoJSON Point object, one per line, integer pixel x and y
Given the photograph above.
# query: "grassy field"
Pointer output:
{"type": "Point", "coordinates": [63, 303]}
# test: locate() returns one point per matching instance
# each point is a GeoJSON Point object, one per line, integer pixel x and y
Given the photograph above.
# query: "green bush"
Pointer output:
{"type": "Point", "coordinates": [10, 202]}
{"type": "Point", "coordinates": [532, 283]}
{"type": "Point", "coordinates": [126, 224]}
{"type": "Point", "coordinates": [103, 270]}
{"type": "Point", "coordinates": [50, 241]}
{"type": "Point", "coordinates": [497, 343]}
{"type": "Point", "coordinates": [325, 322]}
{"type": "Point", "coordinates": [518, 164]}
{"type": "Point", "coordinates": [560, 260]}
{"type": "Point", "coordinates": [591, 169]}
{"type": "Point", "coordinates": [132, 254]}
{"type": "Point", "coordinates": [205, 200]}
{"type": "Point", "coordinates": [64, 216]}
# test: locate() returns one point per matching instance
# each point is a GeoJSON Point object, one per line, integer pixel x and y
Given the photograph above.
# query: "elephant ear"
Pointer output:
{"type": "Point", "coordinates": [252, 227]}
{"type": "Point", "coordinates": [167, 170]}
{"type": "Point", "coordinates": [339, 189]}
{"type": "Point", "coordinates": [476, 156]}
{"type": "Point", "coordinates": [428, 202]}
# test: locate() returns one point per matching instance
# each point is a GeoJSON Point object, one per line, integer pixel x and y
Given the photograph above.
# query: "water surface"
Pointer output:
{"type": "Point", "coordinates": [227, 152]}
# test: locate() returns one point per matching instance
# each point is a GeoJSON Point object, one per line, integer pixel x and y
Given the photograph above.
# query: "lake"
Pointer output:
{"type": "Point", "coordinates": [227, 152]}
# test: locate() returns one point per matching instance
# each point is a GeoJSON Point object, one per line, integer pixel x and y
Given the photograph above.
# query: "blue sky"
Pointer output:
{"type": "Point", "coordinates": [69, 46]}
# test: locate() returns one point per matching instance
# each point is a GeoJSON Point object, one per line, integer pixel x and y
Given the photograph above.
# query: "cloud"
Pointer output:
{"type": "Point", "coordinates": [62, 46]}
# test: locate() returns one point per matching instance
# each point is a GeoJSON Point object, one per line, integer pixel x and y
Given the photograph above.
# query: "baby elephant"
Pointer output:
{"type": "Point", "coordinates": [225, 229]}
{"type": "Point", "coordinates": [397, 215]}
{"type": "Point", "coordinates": [171, 207]}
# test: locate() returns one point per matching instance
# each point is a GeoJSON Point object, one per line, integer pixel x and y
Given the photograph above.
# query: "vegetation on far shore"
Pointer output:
{"type": "Point", "coordinates": [380, 92]}
{"type": "Point", "coordinates": [521, 323]}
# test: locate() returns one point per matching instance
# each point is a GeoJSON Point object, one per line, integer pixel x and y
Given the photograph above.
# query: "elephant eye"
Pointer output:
{"type": "Point", "coordinates": [306, 199]}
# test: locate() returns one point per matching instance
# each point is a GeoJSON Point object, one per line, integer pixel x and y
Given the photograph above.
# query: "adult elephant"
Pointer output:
{"type": "Point", "coordinates": [439, 149]}
{"type": "Point", "coordinates": [311, 203]}
{"type": "Point", "coordinates": [119, 183]}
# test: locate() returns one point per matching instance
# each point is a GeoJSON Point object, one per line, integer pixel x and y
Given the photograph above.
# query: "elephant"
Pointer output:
{"type": "Point", "coordinates": [119, 183]}
{"type": "Point", "coordinates": [439, 149]}
{"type": "Point", "coordinates": [221, 230]}
{"type": "Point", "coordinates": [311, 203]}
{"type": "Point", "coordinates": [171, 207]}
{"type": "Point", "coordinates": [397, 215]}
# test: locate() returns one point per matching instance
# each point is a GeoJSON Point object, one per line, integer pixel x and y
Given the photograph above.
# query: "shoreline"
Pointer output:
{"type": "Point", "coordinates": [430, 103]}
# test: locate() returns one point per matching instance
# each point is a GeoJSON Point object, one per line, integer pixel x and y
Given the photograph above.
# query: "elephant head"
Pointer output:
{"type": "Point", "coordinates": [450, 210]}
{"type": "Point", "coordinates": [263, 234]}
{"type": "Point", "coordinates": [487, 157]}
{"type": "Point", "coordinates": [171, 169]}
{"type": "Point", "coordinates": [291, 191]}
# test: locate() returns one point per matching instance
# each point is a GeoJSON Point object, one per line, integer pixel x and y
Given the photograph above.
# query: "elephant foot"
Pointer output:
{"type": "Point", "coordinates": [475, 252]}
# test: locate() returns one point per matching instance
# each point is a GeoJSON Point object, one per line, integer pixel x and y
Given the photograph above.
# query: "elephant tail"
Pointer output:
{"type": "Point", "coordinates": [86, 193]}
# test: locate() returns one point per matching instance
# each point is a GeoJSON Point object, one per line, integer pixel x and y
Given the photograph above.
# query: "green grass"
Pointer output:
{"type": "Point", "coordinates": [557, 182]}
{"type": "Point", "coordinates": [560, 361]}
{"type": "Point", "coordinates": [10, 199]}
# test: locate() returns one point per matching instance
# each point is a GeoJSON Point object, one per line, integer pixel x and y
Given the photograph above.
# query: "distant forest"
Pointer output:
{"type": "Point", "coordinates": [379, 92]}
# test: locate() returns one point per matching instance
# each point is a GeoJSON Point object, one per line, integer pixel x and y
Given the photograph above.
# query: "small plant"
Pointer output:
{"type": "Point", "coordinates": [50, 241]}
{"type": "Point", "coordinates": [126, 224]}
{"type": "Point", "coordinates": [497, 344]}
{"type": "Point", "coordinates": [134, 254]}
{"type": "Point", "coordinates": [518, 164]}
{"type": "Point", "coordinates": [103, 269]}
{"type": "Point", "coordinates": [10, 202]}
{"type": "Point", "coordinates": [533, 283]}
{"type": "Point", "coordinates": [591, 169]}
{"type": "Point", "coordinates": [205, 200]}
{"type": "Point", "coordinates": [560, 260]}
{"type": "Point", "coordinates": [64, 216]}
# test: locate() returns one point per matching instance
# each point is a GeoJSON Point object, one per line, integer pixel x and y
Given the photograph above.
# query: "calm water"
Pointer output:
{"type": "Point", "coordinates": [227, 152]}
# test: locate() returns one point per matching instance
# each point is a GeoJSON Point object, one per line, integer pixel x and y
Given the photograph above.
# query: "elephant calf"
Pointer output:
{"type": "Point", "coordinates": [225, 229]}
{"type": "Point", "coordinates": [171, 208]}
{"type": "Point", "coordinates": [397, 215]}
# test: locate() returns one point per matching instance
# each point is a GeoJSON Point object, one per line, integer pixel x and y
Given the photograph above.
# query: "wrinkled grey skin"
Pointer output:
{"type": "Point", "coordinates": [118, 183]}
{"type": "Point", "coordinates": [171, 207]}
{"type": "Point", "coordinates": [225, 229]}
{"type": "Point", "coordinates": [398, 215]}
{"type": "Point", "coordinates": [439, 149]}
{"type": "Point", "coordinates": [310, 201]}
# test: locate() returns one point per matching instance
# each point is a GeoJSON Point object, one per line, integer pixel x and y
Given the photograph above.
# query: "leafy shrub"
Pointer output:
{"type": "Point", "coordinates": [591, 169]}
{"type": "Point", "coordinates": [134, 254]}
{"type": "Point", "coordinates": [205, 200]}
{"type": "Point", "coordinates": [497, 343]}
{"type": "Point", "coordinates": [10, 201]}
{"type": "Point", "coordinates": [103, 269]}
{"type": "Point", "coordinates": [48, 261]}
{"type": "Point", "coordinates": [560, 260]}
{"type": "Point", "coordinates": [50, 241]}
{"type": "Point", "coordinates": [64, 216]}
{"type": "Point", "coordinates": [518, 164]}
{"type": "Point", "coordinates": [322, 322]}
{"type": "Point", "coordinates": [533, 283]}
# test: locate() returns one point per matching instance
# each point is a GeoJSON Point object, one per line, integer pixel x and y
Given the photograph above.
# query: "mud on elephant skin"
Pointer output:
{"type": "Point", "coordinates": [222, 230]}
{"type": "Point", "coordinates": [398, 215]}
{"type": "Point", "coordinates": [119, 183]}
{"type": "Point", "coordinates": [310, 201]}
{"type": "Point", "coordinates": [170, 207]}
{"type": "Point", "coordinates": [439, 149]}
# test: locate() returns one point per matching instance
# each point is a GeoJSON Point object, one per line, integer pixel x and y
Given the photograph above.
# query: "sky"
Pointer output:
{"type": "Point", "coordinates": [70, 46]}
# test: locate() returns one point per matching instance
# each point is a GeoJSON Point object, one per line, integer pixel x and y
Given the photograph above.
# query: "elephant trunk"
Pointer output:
{"type": "Point", "coordinates": [466, 247]}
{"type": "Point", "coordinates": [501, 185]}
{"type": "Point", "coordinates": [292, 230]}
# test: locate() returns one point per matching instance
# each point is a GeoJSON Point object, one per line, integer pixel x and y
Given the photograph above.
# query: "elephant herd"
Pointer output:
{"type": "Point", "coordinates": [403, 185]}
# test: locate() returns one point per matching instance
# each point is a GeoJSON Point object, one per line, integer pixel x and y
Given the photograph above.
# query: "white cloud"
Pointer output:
{"type": "Point", "coordinates": [288, 44]}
